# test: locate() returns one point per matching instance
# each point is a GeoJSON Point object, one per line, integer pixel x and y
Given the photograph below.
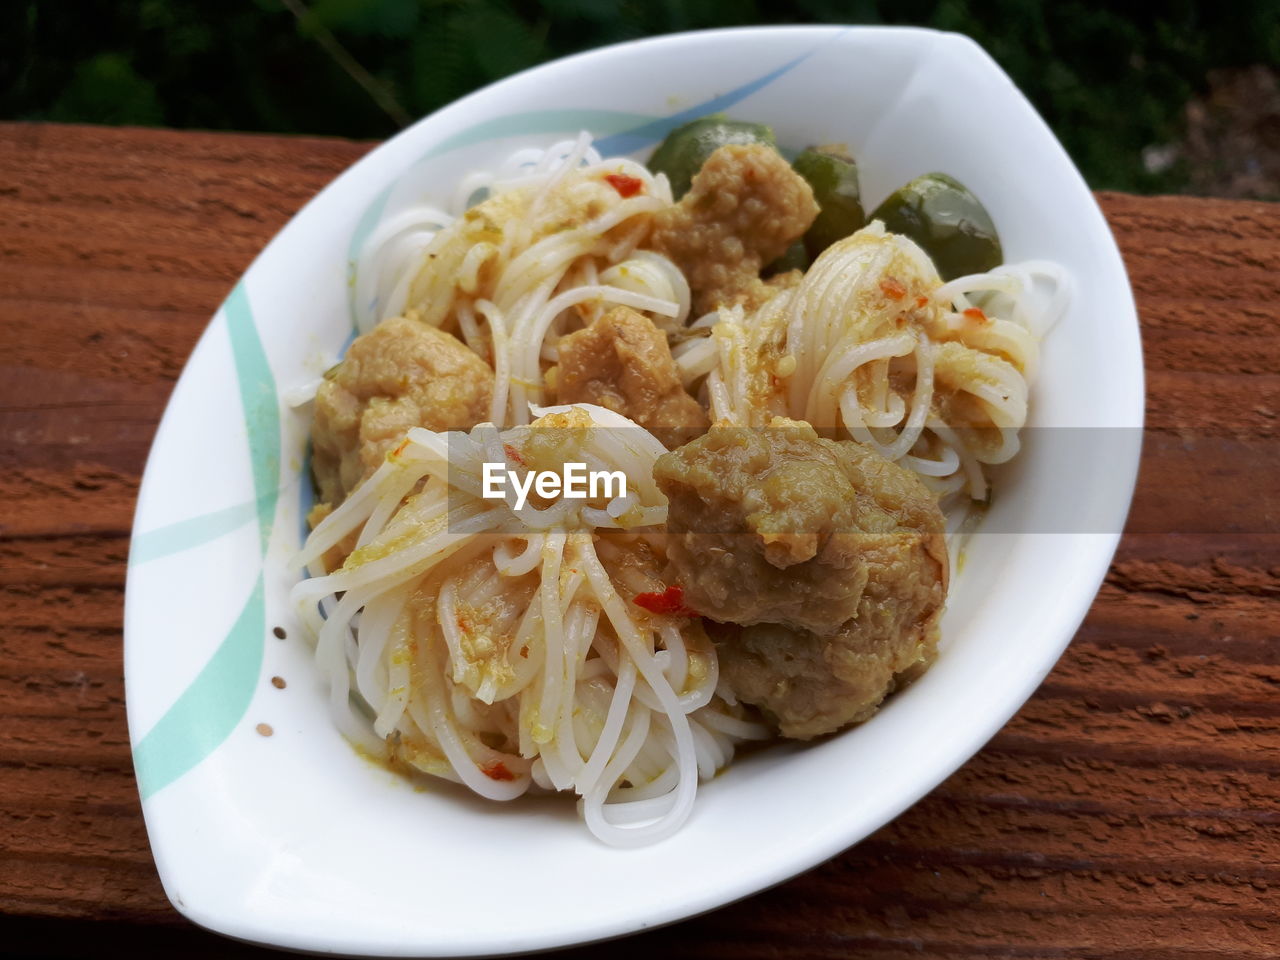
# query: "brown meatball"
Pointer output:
{"type": "Point", "coordinates": [745, 207]}
{"type": "Point", "coordinates": [809, 684]}
{"type": "Point", "coordinates": [829, 557]}
{"type": "Point", "coordinates": [401, 374]}
{"type": "Point", "coordinates": [622, 362]}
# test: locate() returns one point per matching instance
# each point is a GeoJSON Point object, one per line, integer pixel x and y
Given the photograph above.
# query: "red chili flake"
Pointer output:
{"type": "Point", "coordinates": [497, 770]}
{"type": "Point", "coordinates": [892, 289]}
{"type": "Point", "coordinates": [973, 313]}
{"type": "Point", "coordinates": [669, 601]}
{"type": "Point", "coordinates": [514, 455]}
{"type": "Point", "coordinates": [625, 185]}
{"type": "Point", "coordinates": [922, 301]}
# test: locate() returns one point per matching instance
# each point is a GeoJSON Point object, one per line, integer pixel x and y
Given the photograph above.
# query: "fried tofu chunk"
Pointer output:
{"type": "Point", "coordinates": [745, 207]}
{"type": "Point", "coordinates": [401, 374]}
{"type": "Point", "coordinates": [622, 362]}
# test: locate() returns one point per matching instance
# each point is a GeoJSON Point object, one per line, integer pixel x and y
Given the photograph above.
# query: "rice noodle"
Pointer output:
{"type": "Point", "coordinates": [509, 278]}
{"type": "Point", "coordinates": [841, 352]}
{"type": "Point", "coordinates": [500, 647]}
{"type": "Point", "coordinates": [497, 656]}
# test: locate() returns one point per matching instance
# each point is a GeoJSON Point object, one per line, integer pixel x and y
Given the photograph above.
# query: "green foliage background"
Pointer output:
{"type": "Point", "coordinates": [1109, 78]}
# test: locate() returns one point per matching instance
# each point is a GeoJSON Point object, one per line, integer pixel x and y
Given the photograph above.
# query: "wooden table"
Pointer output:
{"type": "Point", "coordinates": [1132, 807]}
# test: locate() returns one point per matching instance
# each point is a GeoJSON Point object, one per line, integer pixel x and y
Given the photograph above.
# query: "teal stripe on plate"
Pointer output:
{"type": "Point", "coordinates": [209, 709]}
{"type": "Point", "coordinates": [206, 712]}
{"type": "Point", "coordinates": [615, 132]}
{"type": "Point", "coordinates": [261, 407]}
{"type": "Point", "coordinates": [539, 121]}
{"type": "Point", "coordinates": [654, 129]}
{"type": "Point", "coordinates": [190, 533]}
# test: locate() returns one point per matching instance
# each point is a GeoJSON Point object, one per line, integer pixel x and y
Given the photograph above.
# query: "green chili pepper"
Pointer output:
{"type": "Point", "coordinates": [681, 155]}
{"type": "Point", "coordinates": [834, 179]}
{"type": "Point", "coordinates": [947, 221]}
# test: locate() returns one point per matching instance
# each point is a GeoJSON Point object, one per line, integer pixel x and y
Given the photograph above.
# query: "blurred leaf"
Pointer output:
{"type": "Point", "coordinates": [1110, 79]}
{"type": "Point", "coordinates": [601, 11]}
{"type": "Point", "coordinates": [388, 18]}
{"type": "Point", "coordinates": [106, 89]}
{"type": "Point", "coordinates": [439, 65]}
{"type": "Point", "coordinates": [183, 36]}
{"type": "Point", "coordinates": [501, 42]}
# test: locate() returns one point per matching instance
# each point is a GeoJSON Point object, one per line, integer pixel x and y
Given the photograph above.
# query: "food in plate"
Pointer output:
{"type": "Point", "coordinates": [785, 404]}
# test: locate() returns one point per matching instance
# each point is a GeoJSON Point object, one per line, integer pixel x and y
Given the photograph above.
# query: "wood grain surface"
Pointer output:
{"type": "Point", "coordinates": [1131, 809]}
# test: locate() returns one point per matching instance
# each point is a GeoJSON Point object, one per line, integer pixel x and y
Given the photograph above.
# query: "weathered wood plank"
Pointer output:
{"type": "Point", "coordinates": [1132, 808]}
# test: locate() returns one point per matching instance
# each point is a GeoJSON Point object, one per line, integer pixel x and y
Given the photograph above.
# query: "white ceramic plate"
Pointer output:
{"type": "Point", "coordinates": [293, 839]}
